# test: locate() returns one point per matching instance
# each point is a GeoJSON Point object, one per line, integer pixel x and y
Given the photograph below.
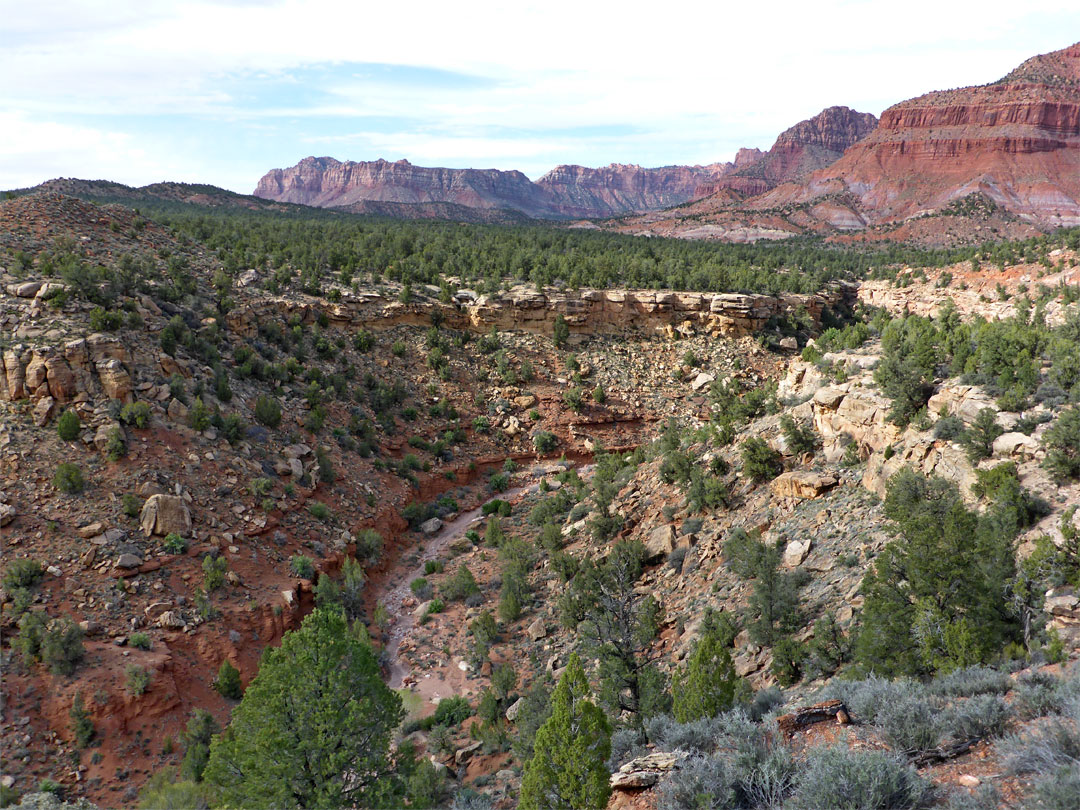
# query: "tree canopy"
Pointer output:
{"type": "Point", "coordinates": [314, 727]}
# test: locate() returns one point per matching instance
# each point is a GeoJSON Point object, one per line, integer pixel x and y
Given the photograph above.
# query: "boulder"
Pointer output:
{"type": "Point", "coordinates": [701, 380]}
{"type": "Point", "coordinates": [7, 514]}
{"type": "Point", "coordinates": [90, 530]}
{"type": "Point", "coordinates": [128, 561]}
{"type": "Point", "coordinates": [537, 630]}
{"type": "Point", "coordinates": [101, 435]}
{"type": "Point", "coordinates": [661, 542]}
{"type": "Point", "coordinates": [43, 410]}
{"type": "Point", "coordinates": [514, 710]}
{"type": "Point", "coordinates": [829, 397]}
{"type": "Point", "coordinates": [802, 484]}
{"type": "Point", "coordinates": [463, 755]}
{"type": "Point", "coordinates": [432, 526]}
{"type": "Point", "coordinates": [165, 514]}
{"type": "Point", "coordinates": [1015, 444]}
{"type": "Point", "coordinates": [115, 380]}
{"type": "Point", "coordinates": [796, 552]}
{"type": "Point", "coordinates": [171, 619]}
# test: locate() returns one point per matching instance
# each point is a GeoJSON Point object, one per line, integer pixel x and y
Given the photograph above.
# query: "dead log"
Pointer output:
{"type": "Point", "coordinates": [942, 753]}
{"type": "Point", "coordinates": [808, 715]}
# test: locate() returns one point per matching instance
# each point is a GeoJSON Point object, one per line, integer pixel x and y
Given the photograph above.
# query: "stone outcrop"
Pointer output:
{"type": "Point", "coordinates": [802, 484]}
{"type": "Point", "coordinates": [646, 771]}
{"type": "Point", "coordinates": [527, 309]}
{"type": "Point", "coordinates": [78, 370]}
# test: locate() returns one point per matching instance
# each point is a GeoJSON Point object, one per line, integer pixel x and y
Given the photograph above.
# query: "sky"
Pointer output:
{"type": "Point", "coordinates": [221, 91]}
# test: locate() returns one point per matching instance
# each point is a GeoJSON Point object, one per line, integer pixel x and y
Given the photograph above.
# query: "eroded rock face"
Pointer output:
{"type": "Point", "coordinates": [165, 514]}
{"type": "Point", "coordinates": [565, 191]}
{"type": "Point", "coordinates": [524, 308]}
{"type": "Point", "coordinates": [804, 148]}
{"type": "Point", "coordinates": [1017, 141]}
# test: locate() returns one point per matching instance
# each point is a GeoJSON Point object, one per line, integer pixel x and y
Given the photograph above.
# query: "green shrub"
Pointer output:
{"type": "Point", "coordinates": [214, 569]}
{"type": "Point", "coordinates": [452, 711]}
{"type": "Point", "coordinates": [136, 679]}
{"type": "Point", "coordinates": [136, 414]}
{"type": "Point", "coordinates": [760, 462]}
{"type": "Point", "coordinates": [421, 588]}
{"type": "Point", "coordinates": [199, 415]}
{"type": "Point", "coordinates": [460, 585]}
{"type": "Point", "coordinates": [978, 440]}
{"type": "Point", "coordinates": [1062, 443]}
{"type": "Point", "coordinates": [800, 439]}
{"type": "Point", "coordinates": [61, 647]}
{"type": "Point", "coordinates": [82, 727]}
{"type": "Point", "coordinates": [68, 425]}
{"type": "Point", "coordinates": [69, 479]}
{"type": "Point", "coordinates": [22, 573]}
{"type": "Point", "coordinates": [227, 682]}
{"type": "Point", "coordinates": [130, 505]}
{"type": "Point", "coordinates": [175, 544]}
{"type": "Point", "coordinates": [544, 441]}
{"type": "Point", "coordinates": [302, 566]}
{"type": "Point", "coordinates": [140, 641]}
{"type": "Point", "coordinates": [319, 511]}
{"type": "Point", "coordinates": [116, 447]}
{"type": "Point", "coordinates": [268, 411]}
{"type": "Point", "coordinates": [369, 544]}
{"type": "Point", "coordinates": [948, 428]}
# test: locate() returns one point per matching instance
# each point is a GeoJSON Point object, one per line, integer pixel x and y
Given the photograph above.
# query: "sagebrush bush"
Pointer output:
{"type": "Point", "coordinates": [140, 641]}
{"type": "Point", "coordinates": [867, 698]}
{"type": "Point", "coordinates": [137, 679]}
{"type": "Point", "coordinates": [460, 585]}
{"type": "Point", "coordinates": [910, 725]}
{"type": "Point", "coordinates": [702, 783]}
{"type": "Point", "coordinates": [981, 716]}
{"type": "Point", "coordinates": [839, 778]}
{"type": "Point", "coordinates": [970, 681]}
{"type": "Point", "coordinates": [948, 428]}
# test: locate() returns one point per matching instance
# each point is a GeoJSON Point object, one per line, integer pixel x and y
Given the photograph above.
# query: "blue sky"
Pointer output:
{"type": "Point", "coordinates": [220, 92]}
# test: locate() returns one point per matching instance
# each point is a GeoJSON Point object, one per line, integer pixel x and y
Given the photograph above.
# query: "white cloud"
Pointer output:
{"type": "Point", "coordinates": [691, 78]}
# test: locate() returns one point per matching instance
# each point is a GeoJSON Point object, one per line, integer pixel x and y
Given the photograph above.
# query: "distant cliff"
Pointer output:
{"type": "Point", "coordinates": [564, 192]}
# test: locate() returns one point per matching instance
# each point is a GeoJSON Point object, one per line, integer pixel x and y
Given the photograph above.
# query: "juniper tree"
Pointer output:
{"type": "Point", "coordinates": [707, 685]}
{"type": "Point", "coordinates": [314, 727]}
{"type": "Point", "coordinates": [568, 767]}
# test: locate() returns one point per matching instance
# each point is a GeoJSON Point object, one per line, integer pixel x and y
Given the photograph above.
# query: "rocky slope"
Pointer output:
{"type": "Point", "coordinates": [383, 411]}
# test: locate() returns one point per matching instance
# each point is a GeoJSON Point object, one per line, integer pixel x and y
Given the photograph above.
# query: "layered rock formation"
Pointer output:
{"type": "Point", "coordinates": [565, 191]}
{"type": "Point", "coordinates": [802, 149]}
{"type": "Point", "coordinates": [1017, 141]}
{"type": "Point", "coordinates": [327, 183]}
{"type": "Point", "coordinates": [529, 310]}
